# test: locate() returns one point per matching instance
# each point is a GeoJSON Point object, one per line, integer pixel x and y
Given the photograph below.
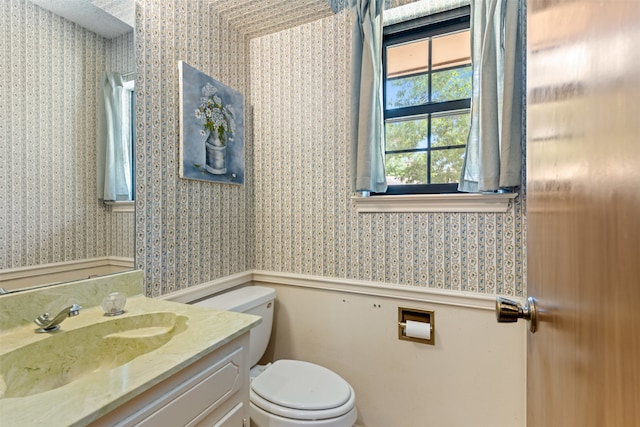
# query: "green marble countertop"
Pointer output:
{"type": "Point", "coordinates": [93, 395]}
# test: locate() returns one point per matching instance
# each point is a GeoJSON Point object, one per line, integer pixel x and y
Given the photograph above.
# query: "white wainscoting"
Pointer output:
{"type": "Point", "coordinates": [474, 375]}
{"type": "Point", "coordinates": [203, 290]}
{"type": "Point", "coordinates": [36, 275]}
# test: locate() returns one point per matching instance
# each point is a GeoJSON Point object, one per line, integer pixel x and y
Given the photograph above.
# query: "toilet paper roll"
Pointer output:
{"type": "Point", "coordinates": [418, 330]}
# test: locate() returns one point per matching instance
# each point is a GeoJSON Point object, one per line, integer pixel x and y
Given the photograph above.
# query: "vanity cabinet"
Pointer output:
{"type": "Point", "coordinates": [213, 391]}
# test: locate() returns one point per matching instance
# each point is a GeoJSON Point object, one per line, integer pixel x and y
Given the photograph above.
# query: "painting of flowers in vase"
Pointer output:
{"type": "Point", "coordinates": [211, 128]}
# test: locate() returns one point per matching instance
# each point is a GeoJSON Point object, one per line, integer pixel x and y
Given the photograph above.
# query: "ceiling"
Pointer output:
{"type": "Point", "coordinates": [108, 18]}
{"type": "Point", "coordinates": [253, 18]}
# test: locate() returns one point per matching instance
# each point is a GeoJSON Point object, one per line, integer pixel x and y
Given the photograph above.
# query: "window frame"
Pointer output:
{"type": "Point", "coordinates": [128, 97]}
{"type": "Point", "coordinates": [410, 30]}
{"type": "Point", "coordinates": [131, 93]}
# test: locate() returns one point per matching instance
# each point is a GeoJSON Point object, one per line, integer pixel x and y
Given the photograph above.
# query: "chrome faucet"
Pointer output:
{"type": "Point", "coordinates": [49, 324]}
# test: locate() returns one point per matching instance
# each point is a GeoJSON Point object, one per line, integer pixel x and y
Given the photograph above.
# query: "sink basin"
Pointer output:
{"type": "Point", "coordinates": [67, 356]}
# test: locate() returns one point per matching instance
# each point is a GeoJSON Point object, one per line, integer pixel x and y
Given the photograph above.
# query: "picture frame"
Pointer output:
{"type": "Point", "coordinates": [211, 128]}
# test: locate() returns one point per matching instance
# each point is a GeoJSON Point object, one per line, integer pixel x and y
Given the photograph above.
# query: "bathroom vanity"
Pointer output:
{"type": "Point", "coordinates": [211, 392]}
{"type": "Point", "coordinates": [159, 363]}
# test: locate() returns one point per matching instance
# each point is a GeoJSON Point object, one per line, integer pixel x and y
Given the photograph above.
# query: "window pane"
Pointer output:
{"type": "Point", "coordinates": [406, 168]}
{"type": "Point", "coordinates": [451, 84]}
{"type": "Point", "coordinates": [407, 91]}
{"type": "Point", "coordinates": [446, 165]}
{"type": "Point", "coordinates": [451, 50]}
{"type": "Point", "coordinates": [450, 129]}
{"type": "Point", "coordinates": [408, 58]}
{"type": "Point", "coordinates": [407, 74]}
{"type": "Point", "coordinates": [407, 134]}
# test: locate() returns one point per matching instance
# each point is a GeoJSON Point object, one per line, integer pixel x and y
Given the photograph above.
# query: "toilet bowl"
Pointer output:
{"type": "Point", "coordinates": [286, 393]}
{"type": "Point", "coordinates": [297, 393]}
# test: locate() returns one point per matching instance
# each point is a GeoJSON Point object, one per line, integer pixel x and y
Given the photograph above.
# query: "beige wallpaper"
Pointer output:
{"type": "Point", "coordinates": [294, 213]}
{"type": "Point", "coordinates": [187, 232]}
{"type": "Point", "coordinates": [305, 220]}
{"type": "Point", "coordinates": [119, 227]}
{"type": "Point", "coordinates": [49, 70]}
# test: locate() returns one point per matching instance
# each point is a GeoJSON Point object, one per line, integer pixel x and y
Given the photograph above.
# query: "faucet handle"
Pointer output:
{"type": "Point", "coordinates": [113, 304]}
{"type": "Point", "coordinates": [74, 310]}
{"type": "Point", "coordinates": [43, 319]}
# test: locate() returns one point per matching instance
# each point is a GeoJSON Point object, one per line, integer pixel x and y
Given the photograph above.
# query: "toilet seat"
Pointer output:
{"type": "Point", "coordinates": [301, 390]}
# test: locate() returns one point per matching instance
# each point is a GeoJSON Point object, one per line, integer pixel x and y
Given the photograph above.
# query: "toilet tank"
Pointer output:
{"type": "Point", "coordinates": [256, 300]}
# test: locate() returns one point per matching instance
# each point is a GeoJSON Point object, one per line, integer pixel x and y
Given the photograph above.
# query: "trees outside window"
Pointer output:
{"type": "Point", "coordinates": [427, 100]}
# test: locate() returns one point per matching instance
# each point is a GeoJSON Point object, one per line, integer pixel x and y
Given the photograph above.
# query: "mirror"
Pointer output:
{"type": "Point", "coordinates": [53, 228]}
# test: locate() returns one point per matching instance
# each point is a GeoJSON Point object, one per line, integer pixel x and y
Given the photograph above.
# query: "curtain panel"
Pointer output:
{"type": "Point", "coordinates": [113, 151]}
{"type": "Point", "coordinates": [367, 124]}
{"type": "Point", "coordinates": [493, 158]}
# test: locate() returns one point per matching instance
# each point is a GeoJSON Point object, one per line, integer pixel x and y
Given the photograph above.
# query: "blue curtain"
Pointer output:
{"type": "Point", "coordinates": [367, 131]}
{"type": "Point", "coordinates": [493, 158]}
{"type": "Point", "coordinates": [114, 144]}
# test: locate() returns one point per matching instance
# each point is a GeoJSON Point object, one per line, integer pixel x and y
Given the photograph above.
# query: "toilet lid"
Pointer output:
{"type": "Point", "coordinates": [301, 385]}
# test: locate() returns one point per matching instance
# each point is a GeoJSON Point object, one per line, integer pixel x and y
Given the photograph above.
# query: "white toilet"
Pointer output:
{"type": "Point", "coordinates": [286, 393]}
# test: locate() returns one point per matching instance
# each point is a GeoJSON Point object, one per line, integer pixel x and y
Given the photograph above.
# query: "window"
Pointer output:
{"type": "Point", "coordinates": [114, 157]}
{"type": "Point", "coordinates": [427, 100]}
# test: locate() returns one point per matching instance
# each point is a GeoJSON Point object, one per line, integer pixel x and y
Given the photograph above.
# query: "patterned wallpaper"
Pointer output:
{"type": "Point", "coordinates": [187, 232]}
{"type": "Point", "coordinates": [255, 18]}
{"type": "Point", "coordinates": [50, 69]}
{"type": "Point", "coordinates": [304, 218]}
{"type": "Point", "coordinates": [294, 213]}
{"type": "Point", "coordinates": [119, 227]}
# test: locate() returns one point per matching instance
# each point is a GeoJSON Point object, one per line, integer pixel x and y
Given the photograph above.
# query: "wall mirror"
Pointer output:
{"type": "Point", "coordinates": [53, 227]}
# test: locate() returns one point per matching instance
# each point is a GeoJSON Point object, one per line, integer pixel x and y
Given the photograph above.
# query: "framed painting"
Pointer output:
{"type": "Point", "coordinates": [211, 128]}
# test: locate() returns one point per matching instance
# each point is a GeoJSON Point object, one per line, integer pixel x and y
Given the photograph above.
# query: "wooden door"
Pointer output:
{"type": "Point", "coordinates": [583, 212]}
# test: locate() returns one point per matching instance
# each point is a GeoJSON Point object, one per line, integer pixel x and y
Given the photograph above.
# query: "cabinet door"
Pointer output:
{"type": "Point", "coordinates": [235, 417]}
{"type": "Point", "coordinates": [199, 395]}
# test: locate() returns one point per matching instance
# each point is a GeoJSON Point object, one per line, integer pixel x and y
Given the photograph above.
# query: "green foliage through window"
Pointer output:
{"type": "Point", "coordinates": [427, 106]}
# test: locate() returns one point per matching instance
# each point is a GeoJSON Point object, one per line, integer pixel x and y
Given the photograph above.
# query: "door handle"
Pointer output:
{"type": "Point", "coordinates": [508, 311]}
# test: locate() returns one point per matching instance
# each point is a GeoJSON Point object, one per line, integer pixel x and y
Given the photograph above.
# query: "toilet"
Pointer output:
{"type": "Point", "coordinates": [286, 393]}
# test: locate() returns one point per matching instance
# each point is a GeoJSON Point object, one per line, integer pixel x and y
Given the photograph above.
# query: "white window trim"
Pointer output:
{"type": "Point", "coordinates": [125, 206]}
{"type": "Point", "coordinates": [435, 203]}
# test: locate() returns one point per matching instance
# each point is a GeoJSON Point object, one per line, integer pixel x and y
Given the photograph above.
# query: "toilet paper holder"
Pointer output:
{"type": "Point", "coordinates": [416, 315]}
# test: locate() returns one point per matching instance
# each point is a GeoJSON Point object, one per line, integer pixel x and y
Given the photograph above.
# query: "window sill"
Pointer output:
{"type": "Point", "coordinates": [458, 202]}
{"type": "Point", "coordinates": [122, 207]}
